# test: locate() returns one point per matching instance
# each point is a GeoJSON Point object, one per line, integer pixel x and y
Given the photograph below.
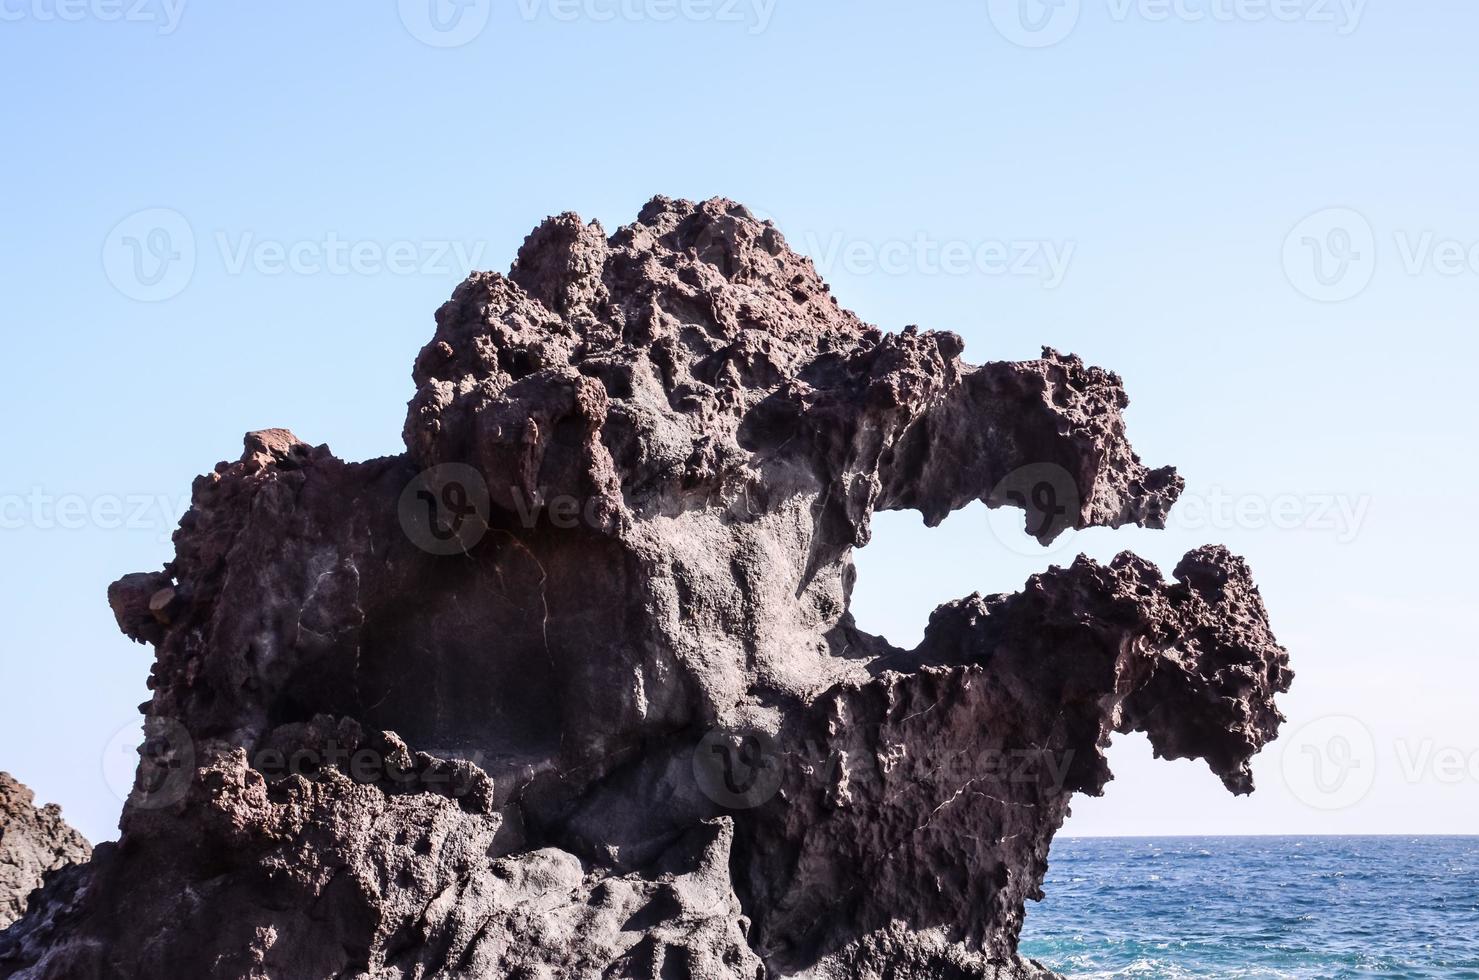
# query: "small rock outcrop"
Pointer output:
{"type": "Point", "coordinates": [33, 843]}
{"type": "Point", "coordinates": [571, 688]}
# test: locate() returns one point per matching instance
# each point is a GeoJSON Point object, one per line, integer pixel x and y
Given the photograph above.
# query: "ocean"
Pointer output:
{"type": "Point", "coordinates": [1259, 907]}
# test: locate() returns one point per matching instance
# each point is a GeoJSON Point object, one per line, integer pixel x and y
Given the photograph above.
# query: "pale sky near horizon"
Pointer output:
{"type": "Point", "coordinates": [1262, 213]}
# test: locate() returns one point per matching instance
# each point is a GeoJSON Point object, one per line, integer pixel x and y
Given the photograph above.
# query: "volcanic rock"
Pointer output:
{"type": "Point", "coordinates": [33, 842]}
{"type": "Point", "coordinates": [571, 688]}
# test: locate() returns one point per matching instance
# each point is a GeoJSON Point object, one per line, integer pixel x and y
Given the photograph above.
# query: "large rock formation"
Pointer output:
{"type": "Point", "coordinates": [571, 688]}
{"type": "Point", "coordinates": [33, 843]}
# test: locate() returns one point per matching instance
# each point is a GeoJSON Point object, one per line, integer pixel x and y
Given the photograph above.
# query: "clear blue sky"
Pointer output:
{"type": "Point", "coordinates": [1158, 180]}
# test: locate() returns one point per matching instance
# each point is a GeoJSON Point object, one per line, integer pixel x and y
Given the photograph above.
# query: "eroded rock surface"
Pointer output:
{"type": "Point", "coordinates": [571, 687]}
{"type": "Point", "coordinates": [33, 842]}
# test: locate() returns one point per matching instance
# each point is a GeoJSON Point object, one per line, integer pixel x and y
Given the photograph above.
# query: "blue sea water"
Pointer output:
{"type": "Point", "coordinates": [1259, 907]}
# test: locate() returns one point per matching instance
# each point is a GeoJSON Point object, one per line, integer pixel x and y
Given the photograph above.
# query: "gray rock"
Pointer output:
{"type": "Point", "coordinates": [33, 843]}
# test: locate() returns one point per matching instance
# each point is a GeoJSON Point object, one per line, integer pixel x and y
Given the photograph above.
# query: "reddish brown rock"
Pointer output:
{"type": "Point", "coordinates": [571, 688]}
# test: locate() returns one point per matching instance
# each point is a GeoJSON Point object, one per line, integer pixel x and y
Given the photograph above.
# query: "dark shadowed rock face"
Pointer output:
{"type": "Point", "coordinates": [571, 688]}
{"type": "Point", "coordinates": [33, 842]}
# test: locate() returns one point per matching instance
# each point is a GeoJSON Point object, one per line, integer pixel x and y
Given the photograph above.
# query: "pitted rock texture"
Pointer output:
{"type": "Point", "coordinates": [33, 842]}
{"type": "Point", "coordinates": [571, 688]}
